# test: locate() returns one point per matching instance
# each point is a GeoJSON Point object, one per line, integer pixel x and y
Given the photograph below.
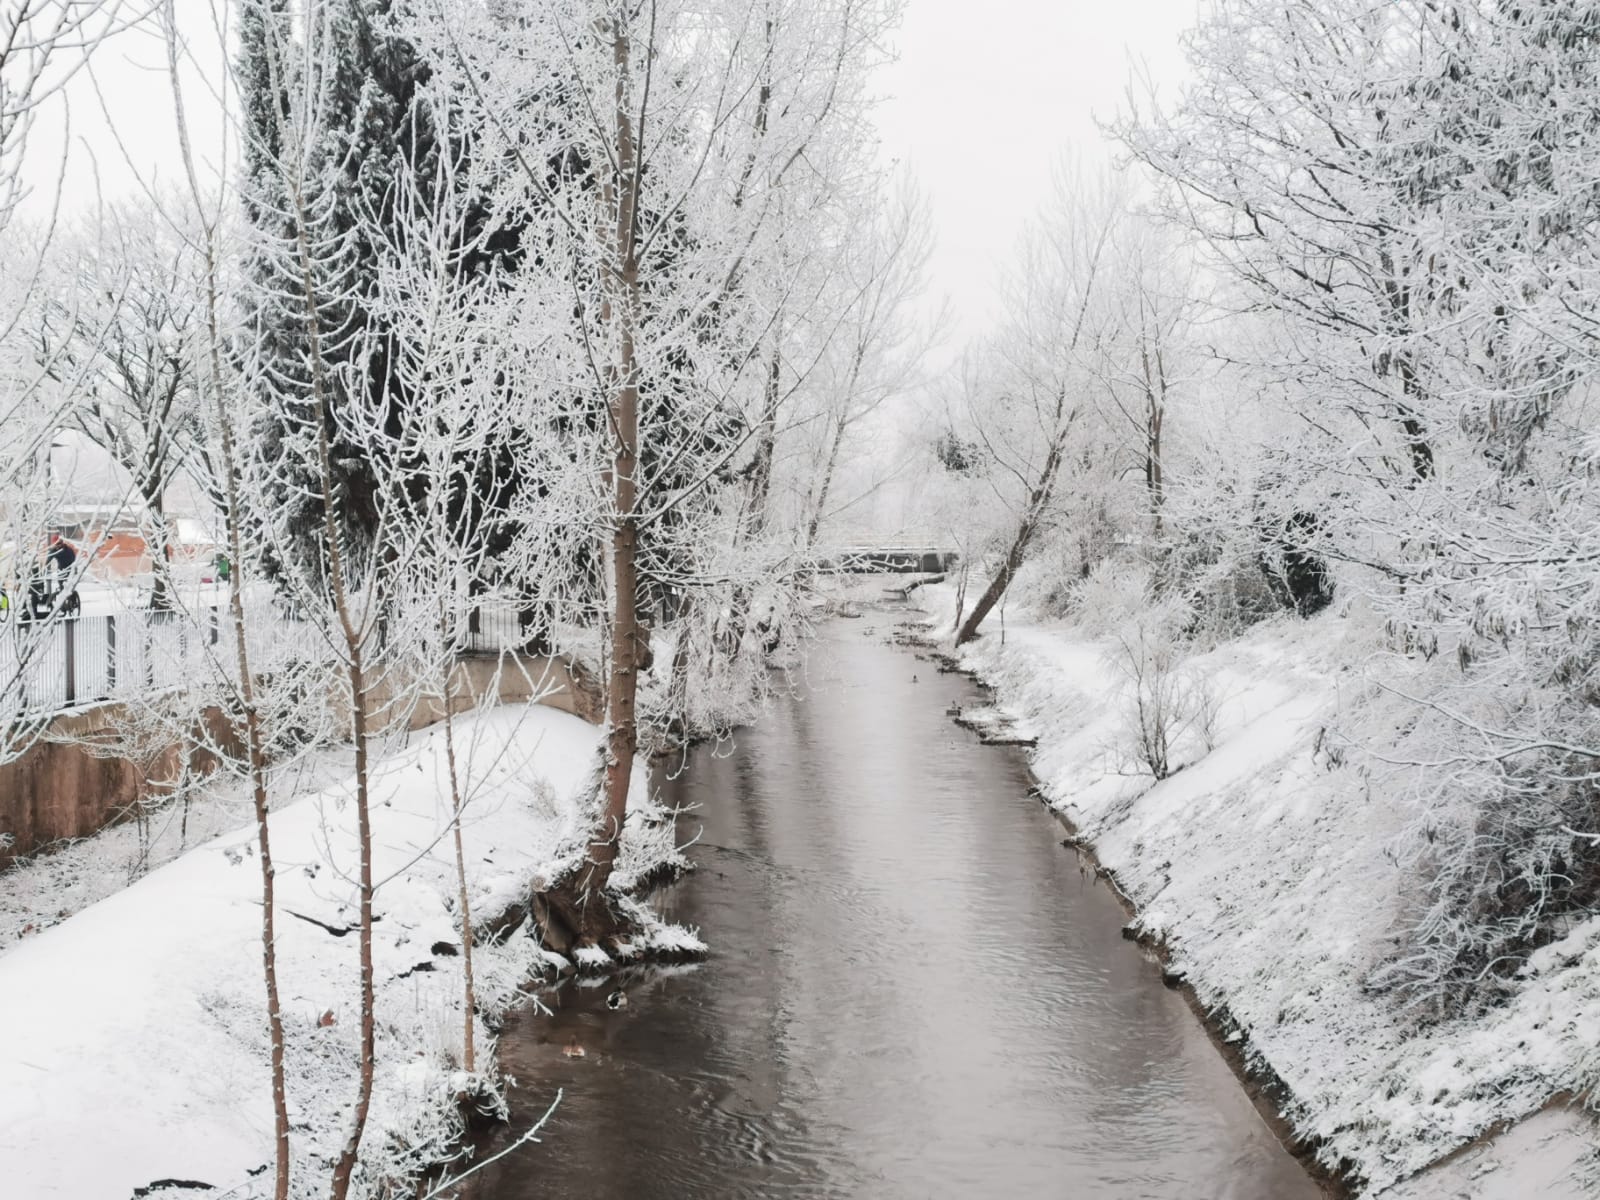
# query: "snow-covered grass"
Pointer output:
{"type": "Point", "coordinates": [1265, 862]}
{"type": "Point", "coordinates": [135, 1040]}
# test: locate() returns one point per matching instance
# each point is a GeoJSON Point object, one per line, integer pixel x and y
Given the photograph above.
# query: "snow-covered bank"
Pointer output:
{"type": "Point", "coordinates": [134, 1046]}
{"type": "Point", "coordinates": [1265, 863]}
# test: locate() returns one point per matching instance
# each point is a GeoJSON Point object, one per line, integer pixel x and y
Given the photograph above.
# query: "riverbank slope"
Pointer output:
{"type": "Point", "coordinates": [135, 1048]}
{"type": "Point", "coordinates": [1264, 864]}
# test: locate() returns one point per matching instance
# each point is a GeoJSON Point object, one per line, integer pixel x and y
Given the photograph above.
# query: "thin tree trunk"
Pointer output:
{"type": "Point", "coordinates": [1409, 409]}
{"type": "Point", "coordinates": [1155, 395]}
{"type": "Point", "coordinates": [825, 484]}
{"type": "Point", "coordinates": [622, 731]}
{"type": "Point", "coordinates": [1018, 551]}
{"type": "Point", "coordinates": [766, 442]}
{"type": "Point", "coordinates": [254, 741]}
{"type": "Point", "coordinates": [344, 1167]}
{"type": "Point", "coordinates": [256, 751]}
{"type": "Point", "coordinates": [468, 1051]}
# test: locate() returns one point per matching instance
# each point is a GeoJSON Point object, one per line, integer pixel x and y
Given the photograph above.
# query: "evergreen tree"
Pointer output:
{"type": "Point", "coordinates": [365, 116]}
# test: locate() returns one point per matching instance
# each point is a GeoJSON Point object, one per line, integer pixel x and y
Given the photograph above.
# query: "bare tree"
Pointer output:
{"type": "Point", "coordinates": [1145, 356]}
{"type": "Point", "coordinates": [43, 44]}
{"type": "Point", "coordinates": [1033, 402]}
{"type": "Point", "coordinates": [120, 328]}
{"type": "Point", "coordinates": [876, 353]}
{"type": "Point", "coordinates": [247, 702]}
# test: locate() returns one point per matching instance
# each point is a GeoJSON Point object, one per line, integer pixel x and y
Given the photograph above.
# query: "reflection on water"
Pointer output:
{"type": "Point", "coordinates": [914, 991]}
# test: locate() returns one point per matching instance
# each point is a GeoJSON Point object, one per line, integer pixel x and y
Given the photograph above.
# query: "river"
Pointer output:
{"type": "Point", "coordinates": [914, 989]}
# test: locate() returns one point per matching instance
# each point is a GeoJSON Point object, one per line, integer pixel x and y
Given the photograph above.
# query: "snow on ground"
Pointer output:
{"type": "Point", "coordinates": [98, 598]}
{"type": "Point", "coordinates": [1542, 1158]}
{"type": "Point", "coordinates": [66, 877]}
{"type": "Point", "coordinates": [1263, 864]}
{"type": "Point", "coordinates": [135, 1044]}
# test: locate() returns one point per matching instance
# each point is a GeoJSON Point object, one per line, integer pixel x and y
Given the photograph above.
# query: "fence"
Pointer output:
{"type": "Point", "coordinates": [499, 628]}
{"type": "Point", "coordinates": [67, 661]}
{"type": "Point", "coordinates": [63, 662]}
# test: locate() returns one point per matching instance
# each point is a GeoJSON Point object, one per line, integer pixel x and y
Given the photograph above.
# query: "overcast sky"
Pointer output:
{"type": "Point", "coordinates": [986, 98]}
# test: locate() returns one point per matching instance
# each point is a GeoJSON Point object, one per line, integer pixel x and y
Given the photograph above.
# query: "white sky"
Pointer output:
{"type": "Point", "coordinates": [989, 95]}
{"type": "Point", "coordinates": [986, 98]}
{"type": "Point", "coordinates": [121, 117]}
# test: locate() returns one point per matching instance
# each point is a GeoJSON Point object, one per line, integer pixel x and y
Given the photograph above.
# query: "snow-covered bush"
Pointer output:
{"type": "Point", "coordinates": [712, 666]}
{"type": "Point", "coordinates": [1228, 596]}
{"type": "Point", "coordinates": [1164, 704]}
{"type": "Point", "coordinates": [1500, 854]}
{"type": "Point", "coordinates": [1112, 596]}
{"type": "Point", "coordinates": [1051, 582]}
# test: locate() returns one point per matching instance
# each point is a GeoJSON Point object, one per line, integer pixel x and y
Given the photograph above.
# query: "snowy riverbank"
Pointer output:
{"type": "Point", "coordinates": [1264, 863]}
{"type": "Point", "coordinates": [135, 1048]}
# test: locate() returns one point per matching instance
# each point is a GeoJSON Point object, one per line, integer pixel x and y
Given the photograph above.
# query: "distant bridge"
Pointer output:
{"type": "Point", "coordinates": [894, 559]}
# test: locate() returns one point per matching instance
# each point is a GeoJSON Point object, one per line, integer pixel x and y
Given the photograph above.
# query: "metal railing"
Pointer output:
{"type": "Point", "coordinates": [890, 559]}
{"type": "Point", "coordinates": [501, 629]}
{"type": "Point", "coordinates": [66, 661]}
{"type": "Point", "coordinates": [61, 662]}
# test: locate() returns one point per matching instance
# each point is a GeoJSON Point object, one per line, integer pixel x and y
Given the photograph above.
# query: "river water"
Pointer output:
{"type": "Point", "coordinates": [914, 990]}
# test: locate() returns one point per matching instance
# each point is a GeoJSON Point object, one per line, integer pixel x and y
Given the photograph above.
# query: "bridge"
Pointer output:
{"type": "Point", "coordinates": [903, 559]}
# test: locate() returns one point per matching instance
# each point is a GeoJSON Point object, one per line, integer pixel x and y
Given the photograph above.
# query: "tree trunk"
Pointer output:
{"type": "Point", "coordinates": [997, 586]}
{"type": "Point", "coordinates": [1017, 554]}
{"type": "Point", "coordinates": [766, 440]}
{"type": "Point", "coordinates": [469, 1061]}
{"type": "Point", "coordinates": [1154, 476]}
{"type": "Point", "coordinates": [344, 1168]}
{"type": "Point", "coordinates": [161, 597]}
{"type": "Point", "coordinates": [257, 758]}
{"type": "Point", "coordinates": [825, 484]}
{"type": "Point", "coordinates": [354, 641]}
{"type": "Point", "coordinates": [622, 306]}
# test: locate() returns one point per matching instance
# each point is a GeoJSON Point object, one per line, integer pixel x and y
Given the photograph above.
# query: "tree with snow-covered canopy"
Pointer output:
{"type": "Point", "coordinates": [661, 153]}
{"type": "Point", "coordinates": [118, 327]}
{"type": "Point", "coordinates": [1409, 191]}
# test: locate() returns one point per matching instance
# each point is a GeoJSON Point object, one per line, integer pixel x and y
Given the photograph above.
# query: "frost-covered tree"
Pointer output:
{"type": "Point", "coordinates": [1145, 356]}
{"type": "Point", "coordinates": [279, 68]}
{"type": "Point", "coordinates": [871, 354]}
{"type": "Point", "coordinates": [1032, 399]}
{"type": "Point", "coordinates": [43, 45]}
{"type": "Point", "coordinates": [1404, 196]}
{"type": "Point", "coordinates": [661, 155]}
{"type": "Point", "coordinates": [119, 328]}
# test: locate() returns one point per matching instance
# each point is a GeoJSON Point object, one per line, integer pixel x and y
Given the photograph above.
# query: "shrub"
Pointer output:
{"type": "Point", "coordinates": [1502, 857]}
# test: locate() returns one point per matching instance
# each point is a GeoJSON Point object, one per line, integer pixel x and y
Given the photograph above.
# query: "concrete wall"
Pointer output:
{"type": "Point", "coordinates": [558, 683]}
{"type": "Point", "coordinates": [61, 789]}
